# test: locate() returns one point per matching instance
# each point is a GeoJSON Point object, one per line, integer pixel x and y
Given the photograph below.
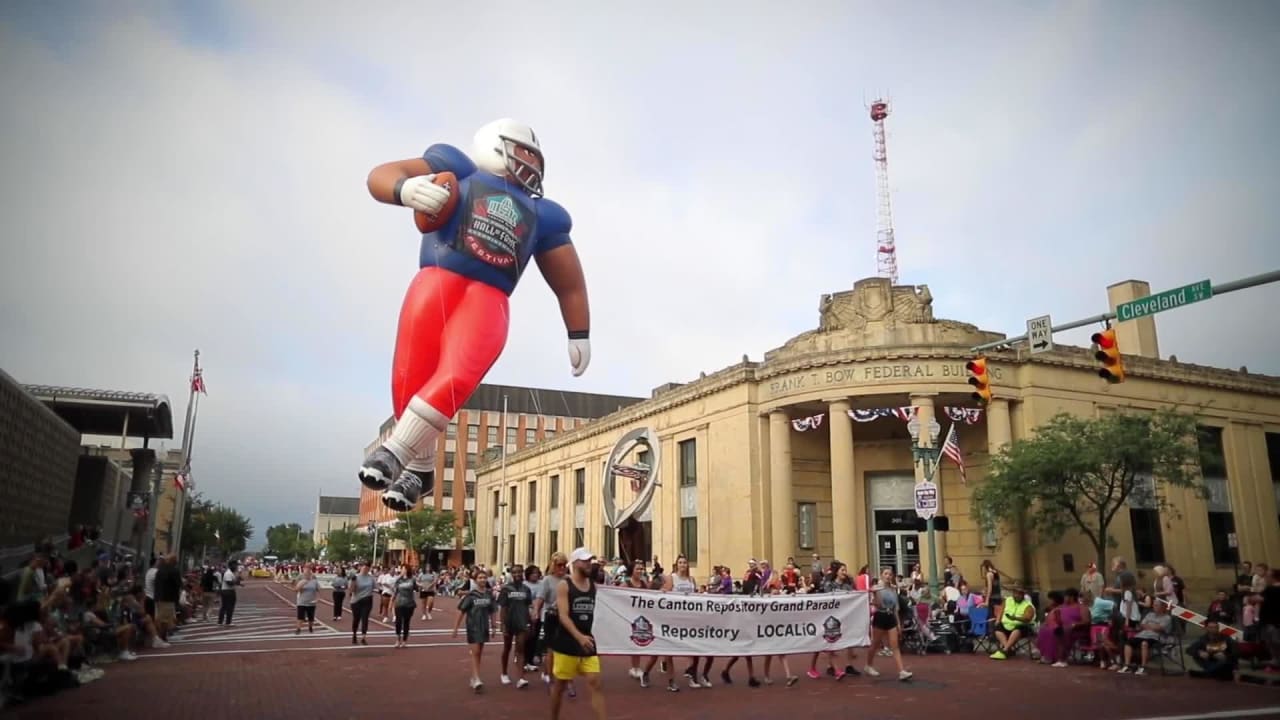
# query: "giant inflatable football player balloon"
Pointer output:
{"type": "Point", "coordinates": [484, 218]}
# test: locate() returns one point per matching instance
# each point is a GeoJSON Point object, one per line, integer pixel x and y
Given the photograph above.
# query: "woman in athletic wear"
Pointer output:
{"type": "Point", "coordinates": [884, 623]}
{"type": "Point", "coordinates": [474, 609]}
{"type": "Point", "coordinates": [836, 580]}
{"type": "Point", "coordinates": [545, 606]}
{"type": "Point", "coordinates": [403, 598]}
{"type": "Point", "coordinates": [386, 585]}
{"type": "Point", "coordinates": [679, 581]}
{"type": "Point", "coordinates": [308, 590]}
{"type": "Point", "coordinates": [636, 579]}
{"type": "Point", "coordinates": [792, 678]}
{"type": "Point", "coordinates": [514, 605]}
{"type": "Point", "coordinates": [533, 653]}
{"type": "Point", "coordinates": [427, 590]}
{"type": "Point", "coordinates": [339, 585]}
{"type": "Point", "coordinates": [362, 587]}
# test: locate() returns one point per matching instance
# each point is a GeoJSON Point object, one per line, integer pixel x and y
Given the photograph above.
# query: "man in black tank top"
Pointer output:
{"type": "Point", "coordinates": [575, 649]}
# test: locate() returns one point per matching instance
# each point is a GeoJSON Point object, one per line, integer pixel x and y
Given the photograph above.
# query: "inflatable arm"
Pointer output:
{"type": "Point", "coordinates": [563, 272]}
{"type": "Point", "coordinates": [384, 179]}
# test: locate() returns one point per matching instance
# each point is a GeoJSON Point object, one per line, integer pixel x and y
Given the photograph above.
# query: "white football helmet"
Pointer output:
{"type": "Point", "coordinates": [494, 151]}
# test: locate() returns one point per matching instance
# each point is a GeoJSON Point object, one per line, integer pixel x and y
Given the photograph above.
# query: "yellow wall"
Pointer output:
{"type": "Point", "coordinates": [726, 413]}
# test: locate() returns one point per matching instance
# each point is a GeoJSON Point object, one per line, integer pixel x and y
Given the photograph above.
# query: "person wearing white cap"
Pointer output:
{"type": "Point", "coordinates": [575, 649]}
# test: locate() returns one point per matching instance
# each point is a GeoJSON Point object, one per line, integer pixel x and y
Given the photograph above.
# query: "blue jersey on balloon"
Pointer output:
{"type": "Point", "coordinates": [496, 228]}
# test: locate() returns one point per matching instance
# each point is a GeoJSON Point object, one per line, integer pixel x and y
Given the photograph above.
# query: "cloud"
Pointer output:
{"type": "Point", "coordinates": [184, 178]}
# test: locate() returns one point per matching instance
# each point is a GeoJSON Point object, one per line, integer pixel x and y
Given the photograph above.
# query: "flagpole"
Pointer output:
{"type": "Point", "coordinates": [502, 438]}
{"type": "Point", "coordinates": [184, 465]}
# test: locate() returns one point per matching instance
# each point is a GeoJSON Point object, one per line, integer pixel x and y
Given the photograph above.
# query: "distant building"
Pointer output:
{"type": "Point", "coordinates": [333, 513]}
{"type": "Point", "coordinates": [533, 415]}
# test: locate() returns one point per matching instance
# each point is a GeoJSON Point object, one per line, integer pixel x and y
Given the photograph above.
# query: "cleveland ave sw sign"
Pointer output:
{"type": "Point", "coordinates": [1167, 300]}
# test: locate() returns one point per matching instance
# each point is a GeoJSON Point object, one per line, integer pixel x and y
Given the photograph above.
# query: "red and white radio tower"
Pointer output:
{"type": "Point", "coordinates": [886, 252]}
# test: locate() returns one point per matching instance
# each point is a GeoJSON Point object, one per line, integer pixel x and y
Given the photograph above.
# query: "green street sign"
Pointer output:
{"type": "Point", "coordinates": [1167, 300]}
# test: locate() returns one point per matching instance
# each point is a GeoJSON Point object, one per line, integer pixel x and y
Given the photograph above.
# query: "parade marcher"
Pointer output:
{"type": "Point", "coordinates": [514, 605]}
{"type": "Point", "coordinates": [475, 609]}
{"type": "Point", "coordinates": [403, 590]}
{"type": "Point", "coordinates": [339, 586]}
{"type": "Point", "coordinates": [362, 588]}
{"type": "Point", "coordinates": [308, 590]}
{"type": "Point", "coordinates": [575, 648]}
{"type": "Point", "coordinates": [227, 589]}
{"type": "Point", "coordinates": [427, 579]}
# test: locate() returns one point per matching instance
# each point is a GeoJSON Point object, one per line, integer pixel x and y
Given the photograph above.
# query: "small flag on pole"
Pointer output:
{"type": "Point", "coordinates": [951, 448]}
{"type": "Point", "coordinates": [197, 382]}
{"type": "Point", "coordinates": [181, 481]}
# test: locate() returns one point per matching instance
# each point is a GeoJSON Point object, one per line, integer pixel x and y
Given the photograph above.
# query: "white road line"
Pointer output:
{"type": "Point", "coordinates": [303, 649]}
{"type": "Point", "coordinates": [274, 635]}
{"type": "Point", "coordinates": [1256, 712]}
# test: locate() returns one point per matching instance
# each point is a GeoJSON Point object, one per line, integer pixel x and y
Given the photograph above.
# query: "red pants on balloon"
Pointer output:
{"type": "Point", "coordinates": [452, 330]}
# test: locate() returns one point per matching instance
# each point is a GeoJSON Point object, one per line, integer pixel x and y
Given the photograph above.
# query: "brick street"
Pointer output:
{"type": "Point", "coordinates": [259, 669]}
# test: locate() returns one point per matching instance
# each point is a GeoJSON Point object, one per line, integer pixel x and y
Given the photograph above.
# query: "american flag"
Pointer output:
{"type": "Point", "coordinates": [197, 382]}
{"type": "Point", "coordinates": [951, 448]}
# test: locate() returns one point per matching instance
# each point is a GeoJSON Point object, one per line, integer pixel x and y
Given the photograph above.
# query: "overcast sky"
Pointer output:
{"type": "Point", "coordinates": [178, 177]}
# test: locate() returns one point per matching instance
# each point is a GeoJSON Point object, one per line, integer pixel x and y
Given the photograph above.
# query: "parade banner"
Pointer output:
{"type": "Point", "coordinates": [646, 622]}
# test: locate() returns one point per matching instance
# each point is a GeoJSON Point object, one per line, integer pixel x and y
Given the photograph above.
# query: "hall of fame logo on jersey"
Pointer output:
{"type": "Point", "coordinates": [832, 630]}
{"type": "Point", "coordinates": [641, 631]}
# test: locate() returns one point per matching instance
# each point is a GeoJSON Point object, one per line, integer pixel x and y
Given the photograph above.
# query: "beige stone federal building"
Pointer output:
{"type": "Point", "coordinates": [808, 452]}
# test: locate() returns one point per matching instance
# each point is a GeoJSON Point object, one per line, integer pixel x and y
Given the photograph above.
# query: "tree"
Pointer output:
{"type": "Point", "coordinates": [424, 530]}
{"type": "Point", "coordinates": [290, 541]}
{"type": "Point", "coordinates": [348, 544]}
{"type": "Point", "coordinates": [214, 527]}
{"type": "Point", "coordinates": [1077, 473]}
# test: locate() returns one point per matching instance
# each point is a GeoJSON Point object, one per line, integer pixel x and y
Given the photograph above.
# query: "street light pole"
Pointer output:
{"type": "Point", "coordinates": [928, 454]}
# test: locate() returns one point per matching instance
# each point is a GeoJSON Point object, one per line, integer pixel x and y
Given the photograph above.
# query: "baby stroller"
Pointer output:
{"type": "Point", "coordinates": [910, 637]}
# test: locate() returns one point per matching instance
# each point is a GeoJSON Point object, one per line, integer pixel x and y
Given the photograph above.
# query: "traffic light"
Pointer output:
{"type": "Point", "coordinates": [979, 379]}
{"type": "Point", "coordinates": [1108, 353]}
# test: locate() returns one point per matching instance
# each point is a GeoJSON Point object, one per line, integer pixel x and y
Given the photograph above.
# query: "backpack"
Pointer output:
{"type": "Point", "coordinates": [1179, 588]}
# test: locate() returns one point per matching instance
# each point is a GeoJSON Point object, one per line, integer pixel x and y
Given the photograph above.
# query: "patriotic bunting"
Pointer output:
{"type": "Point", "coordinates": [968, 416]}
{"type": "Point", "coordinates": [813, 422]}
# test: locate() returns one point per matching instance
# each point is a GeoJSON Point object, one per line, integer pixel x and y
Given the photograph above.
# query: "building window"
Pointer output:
{"type": "Point", "coordinates": [579, 538]}
{"type": "Point", "coordinates": [471, 489]}
{"type": "Point", "coordinates": [1144, 517]}
{"type": "Point", "coordinates": [511, 436]}
{"type": "Point", "coordinates": [688, 463]}
{"type": "Point", "coordinates": [689, 539]}
{"type": "Point", "coordinates": [580, 486]}
{"type": "Point", "coordinates": [446, 489]}
{"type": "Point", "coordinates": [511, 550]}
{"type": "Point", "coordinates": [473, 431]}
{"type": "Point", "coordinates": [555, 494]}
{"type": "Point", "coordinates": [494, 561]}
{"type": "Point", "coordinates": [607, 551]}
{"type": "Point", "coordinates": [1213, 468]}
{"type": "Point", "coordinates": [471, 460]}
{"type": "Point", "coordinates": [549, 433]}
{"type": "Point", "coordinates": [555, 541]}
{"type": "Point", "coordinates": [451, 431]}
{"type": "Point", "coordinates": [491, 436]}
{"type": "Point", "coordinates": [533, 546]}
{"type": "Point", "coordinates": [530, 436]}
{"type": "Point", "coordinates": [533, 495]}
{"type": "Point", "coordinates": [511, 499]}
{"type": "Point", "coordinates": [497, 503]}
{"type": "Point", "coordinates": [449, 459]}
{"type": "Point", "coordinates": [808, 525]}
{"type": "Point", "coordinates": [644, 457]}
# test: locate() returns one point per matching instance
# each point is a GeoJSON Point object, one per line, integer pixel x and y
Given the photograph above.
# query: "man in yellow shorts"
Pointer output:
{"type": "Point", "coordinates": [574, 648]}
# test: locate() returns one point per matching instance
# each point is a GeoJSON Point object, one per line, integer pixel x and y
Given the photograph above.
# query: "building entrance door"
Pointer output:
{"type": "Point", "coordinates": [897, 550]}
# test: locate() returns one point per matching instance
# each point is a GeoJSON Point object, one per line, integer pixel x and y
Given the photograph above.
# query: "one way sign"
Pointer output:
{"type": "Point", "coordinates": [1040, 334]}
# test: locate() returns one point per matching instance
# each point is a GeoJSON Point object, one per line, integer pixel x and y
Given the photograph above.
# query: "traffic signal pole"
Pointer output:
{"type": "Point", "coordinates": [1223, 289]}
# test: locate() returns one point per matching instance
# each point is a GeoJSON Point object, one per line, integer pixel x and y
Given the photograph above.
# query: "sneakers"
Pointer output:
{"type": "Point", "coordinates": [407, 488]}
{"type": "Point", "coordinates": [905, 675]}
{"type": "Point", "coordinates": [127, 655]}
{"type": "Point", "coordinates": [476, 685]}
{"type": "Point", "coordinates": [522, 684]}
{"type": "Point", "coordinates": [380, 468]}
{"type": "Point", "coordinates": [506, 679]}
{"type": "Point", "coordinates": [870, 672]}
{"type": "Point", "coordinates": [644, 679]}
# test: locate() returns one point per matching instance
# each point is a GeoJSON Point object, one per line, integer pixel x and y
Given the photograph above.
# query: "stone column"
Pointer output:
{"type": "Point", "coordinates": [781, 496]}
{"type": "Point", "coordinates": [848, 496]}
{"type": "Point", "coordinates": [924, 401]}
{"type": "Point", "coordinates": [1009, 554]}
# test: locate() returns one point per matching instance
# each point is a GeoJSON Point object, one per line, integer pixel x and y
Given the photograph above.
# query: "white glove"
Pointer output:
{"type": "Point", "coordinates": [420, 193]}
{"type": "Point", "coordinates": [579, 355]}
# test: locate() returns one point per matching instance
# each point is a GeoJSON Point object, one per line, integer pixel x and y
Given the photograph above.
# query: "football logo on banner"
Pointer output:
{"type": "Point", "coordinates": [642, 477]}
